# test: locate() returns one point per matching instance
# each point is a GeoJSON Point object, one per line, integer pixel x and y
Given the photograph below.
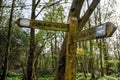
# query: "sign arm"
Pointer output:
{"type": "Point", "coordinates": [97, 32]}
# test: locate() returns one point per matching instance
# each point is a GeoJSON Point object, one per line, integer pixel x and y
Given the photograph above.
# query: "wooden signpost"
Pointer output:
{"type": "Point", "coordinates": [73, 36]}
{"type": "Point", "coordinates": [101, 31]}
{"type": "Point", "coordinates": [71, 48]}
{"type": "Point", "coordinates": [37, 24]}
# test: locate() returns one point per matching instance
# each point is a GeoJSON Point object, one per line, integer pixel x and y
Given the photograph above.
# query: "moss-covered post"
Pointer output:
{"type": "Point", "coordinates": [70, 68]}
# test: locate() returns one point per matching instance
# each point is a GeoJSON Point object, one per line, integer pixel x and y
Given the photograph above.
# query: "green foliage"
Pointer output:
{"type": "Point", "coordinates": [55, 15]}
{"type": "Point", "coordinates": [66, 1]}
{"type": "Point", "coordinates": [113, 65]}
{"type": "Point", "coordinates": [12, 74]}
{"type": "Point", "coordinates": [45, 78]}
{"type": "Point", "coordinates": [113, 61]}
{"type": "Point", "coordinates": [80, 76]}
{"type": "Point", "coordinates": [13, 78]}
{"type": "Point", "coordinates": [50, 0]}
{"type": "Point", "coordinates": [107, 78]}
{"type": "Point", "coordinates": [1, 71]}
{"type": "Point", "coordinates": [43, 72]}
{"type": "Point", "coordinates": [40, 36]}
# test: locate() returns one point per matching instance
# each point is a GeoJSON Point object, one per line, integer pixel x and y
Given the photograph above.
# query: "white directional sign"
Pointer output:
{"type": "Point", "coordinates": [24, 22]}
{"type": "Point", "coordinates": [101, 31]}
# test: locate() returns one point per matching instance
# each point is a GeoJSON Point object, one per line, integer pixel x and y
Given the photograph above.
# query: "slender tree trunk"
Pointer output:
{"type": "Point", "coordinates": [52, 52]}
{"type": "Point", "coordinates": [23, 71]}
{"type": "Point", "coordinates": [30, 62]}
{"type": "Point", "coordinates": [7, 52]}
{"type": "Point", "coordinates": [1, 3]}
{"type": "Point", "coordinates": [37, 58]}
{"type": "Point", "coordinates": [85, 66]}
{"type": "Point", "coordinates": [118, 51]}
{"type": "Point", "coordinates": [91, 52]}
{"type": "Point", "coordinates": [92, 61]}
{"type": "Point", "coordinates": [101, 60]}
{"type": "Point", "coordinates": [101, 47]}
{"type": "Point", "coordinates": [1, 10]}
{"type": "Point", "coordinates": [106, 57]}
{"type": "Point", "coordinates": [56, 50]}
{"type": "Point", "coordinates": [118, 62]}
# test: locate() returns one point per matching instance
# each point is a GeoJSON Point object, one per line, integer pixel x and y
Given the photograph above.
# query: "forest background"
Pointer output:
{"type": "Point", "coordinates": [100, 57]}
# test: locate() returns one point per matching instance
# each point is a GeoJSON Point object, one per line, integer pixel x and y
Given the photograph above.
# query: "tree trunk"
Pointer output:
{"type": "Point", "coordinates": [92, 61]}
{"type": "Point", "coordinates": [101, 60]}
{"type": "Point", "coordinates": [52, 53]}
{"type": "Point", "coordinates": [118, 62]}
{"type": "Point", "coordinates": [7, 52]}
{"type": "Point", "coordinates": [91, 58]}
{"type": "Point", "coordinates": [1, 3]}
{"type": "Point", "coordinates": [91, 52]}
{"type": "Point", "coordinates": [74, 12]}
{"type": "Point", "coordinates": [106, 57]}
{"type": "Point", "coordinates": [85, 62]}
{"type": "Point", "coordinates": [30, 62]}
{"type": "Point", "coordinates": [83, 68]}
{"type": "Point", "coordinates": [118, 51]}
{"type": "Point", "coordinates": [101, 47]}
{"type": "Point", "coordinates": [56, 50]}
{"type": "Point", "coordinates": [1, 10]}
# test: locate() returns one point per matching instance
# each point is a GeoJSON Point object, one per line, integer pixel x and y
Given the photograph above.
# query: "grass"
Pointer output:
{"type": "Point", "coordinates": [13, 78]}
{"type": "Point", "coordinates": [46, 77]}
{"type": "Point", "coordinates": [79, 76]}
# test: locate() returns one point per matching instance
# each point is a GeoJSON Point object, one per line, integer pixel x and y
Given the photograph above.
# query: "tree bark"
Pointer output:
{"type": "Point", "coordinates": [1, 9]}
{"type": "Point", "coordinates": [106, 57]}
{"type": "Point", "coordinates": [7, 52]}
{"type": "Point", "coordinates": [74, 12]}
{"type": "Point", "coordinates": [91, 52]}
{"type": "Point", "coordinates": [118, 51]}
{"type": "Point", "coordinates": [101, 59]}
{"type": "Point", "coordinates": [30, 61]}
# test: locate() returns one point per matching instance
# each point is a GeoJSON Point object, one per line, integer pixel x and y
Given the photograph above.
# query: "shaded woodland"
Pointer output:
{"type": "Point", "coordinates": [36, 54]}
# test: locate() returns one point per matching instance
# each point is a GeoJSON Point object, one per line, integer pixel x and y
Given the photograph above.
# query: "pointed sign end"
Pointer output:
{"type": "Point", "coordinates": [17, 21]}
{"type": "Point", "coordinates": [22, 22]}
{"type": "Point", "coordinates": [111, 28]}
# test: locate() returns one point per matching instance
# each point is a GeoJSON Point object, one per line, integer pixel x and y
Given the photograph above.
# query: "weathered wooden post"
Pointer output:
{"type": "Point", "coordinates": [70, 68]}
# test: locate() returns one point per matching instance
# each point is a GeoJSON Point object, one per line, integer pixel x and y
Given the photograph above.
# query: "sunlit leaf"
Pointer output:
{"type": "Point", "coordinates": [80, 51]}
